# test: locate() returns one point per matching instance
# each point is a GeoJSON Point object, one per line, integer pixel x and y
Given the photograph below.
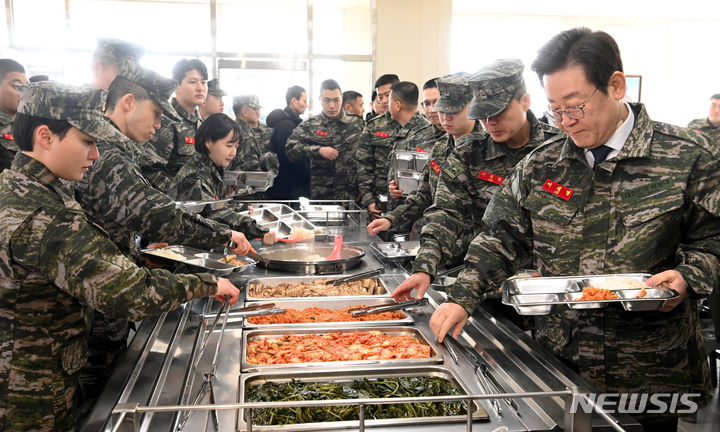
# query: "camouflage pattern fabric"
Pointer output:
{"type": "Point", "coordinates": [201, 180]}
{"type": "Point", "coordinates": [654, 207]}
{"type": "Point", "coordinates": [470, 176]}
{"type": "Point", "coordinates": [494, 87]}
{"type": "Point", "coordinates": [8, 148]}
{"type": "Point", "coordinates": [116, 196]}
{"type": "Point", "coordinates": [55, 267]}
{"type": "Point", "coordinates": [254, 152]}
{"type": "Point", "coordinates": [416, 135]}
{"type": "Point", "coordinates": [704, 126]}
{"type": "Point", "coordinates": [172, 146]}
{"type": "Point", "coordinates": [411, 210]}
{"type": "Point", "coordinates": [329, 180]}
{"type": "Point", "coordinates": [117, 52]}
{"type": "Point", "coordinates": [373, 157]}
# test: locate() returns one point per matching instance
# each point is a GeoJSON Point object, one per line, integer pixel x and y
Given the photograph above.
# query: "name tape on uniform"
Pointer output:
{"type": "Point", "coordinates": [190, 140]}
{"type": "Point", "coordinates": [558, 189]}
{"type": "Point", "coordinates": [492, 178]}
{"type": "Point", "coordinates": [382, 134]}
{"type": "Point", "coordinates": [321, 133]}
{"type": "Point", "coordinates": [8, 136]}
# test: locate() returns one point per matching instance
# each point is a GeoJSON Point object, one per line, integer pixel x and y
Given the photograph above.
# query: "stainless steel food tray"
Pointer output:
{"type": "Point", "coordinates": [346, 375]}
{"type": "Point", "coordinates": [328, 304]}
{"type": "Point", "coordinates": [198, 206]}
{"type": "Point", "coordinates": [407, 181]}
{"type": "Point", "coordinates": [282, 219]}
{"type": "Point", "coordinates": [258, 181]}
{"type": "Point", "coordinates": [333, 214]}
{"type": "Point", "coordinates": [410, 160]}
{"type": "Point", "coordinates": [275, 281]}
{"type": "Point", "coordinates": [302, 258]}
{"type": "Point", "coordinates": [396, 251]}
{"type": "Point", "coordinates": [537, 296]}
{"type": "Point", "coordinates": [250, 335]}
{"type": "Point", "coordinates": [199, 260]}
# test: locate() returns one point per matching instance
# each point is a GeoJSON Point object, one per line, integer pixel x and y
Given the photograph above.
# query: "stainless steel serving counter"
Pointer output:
{"type": "Point", "coordinates": [156, 374]}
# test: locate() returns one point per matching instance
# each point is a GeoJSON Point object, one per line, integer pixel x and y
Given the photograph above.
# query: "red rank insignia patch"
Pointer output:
{"type": "Point", "coordinates": [492, 178]}
{"type": "Point", "coordinates": [558, 190]}
{"type": "Point", "coordinates": [8, 136]}
{"type": "Point", "coordinates": [434, 165]}
{"type": "Point", "coordinates": [321, 133]}
{"type": "Point", "coordinates": [382, 134]}
{"type": "Point", "coordinates": [419, 150]}
{"type": "Point", "coordinates": [190, 140]}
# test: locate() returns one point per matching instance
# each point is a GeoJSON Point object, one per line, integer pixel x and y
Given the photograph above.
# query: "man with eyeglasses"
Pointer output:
{"type": "Point", "coordinates": [375, 148]}
{"type": "Point", "coordinates": [174, 143]}
{"type": "Point", "coordinates": [479, 164]}
{"type": "Point", "coordinates": [253, 153]}
{"type": "Point", "coordinates": [328, 142]}
{"type": "Point", "coordinates": [403, 217]}
{"type": "Point", "coordinates": [651, 204]}
{"type": "Point", "coordinates": [710, 125]}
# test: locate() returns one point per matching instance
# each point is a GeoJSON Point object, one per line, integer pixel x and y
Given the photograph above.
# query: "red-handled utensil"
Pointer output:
{"type": "Point", "coordinates": [337, 248]}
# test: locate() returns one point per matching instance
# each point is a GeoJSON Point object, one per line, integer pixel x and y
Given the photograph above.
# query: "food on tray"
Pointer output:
{"type": "Point", "coordinates": [318, 288]}
{"type": "Point", "coordinates": [615, 283]}
{"type": "Point", "coordinates": [299, 234]}
{"type": "Point", "coordinates": [594, 293]}
{"type": "Point", "coordinates": [311, 257]}
{"type": "Point", "coordinates": [330, 347]}
{"type": "Point", "coordinates": [366, 388]}
{"type": "Point", "coordinates": [316, 315]}
{"type": "Point", "coordinates": [233, 259]}
{"type": "Point", "coordinates": [169, 254]}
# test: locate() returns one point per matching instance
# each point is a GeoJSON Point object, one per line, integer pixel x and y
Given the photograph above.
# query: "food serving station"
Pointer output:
{"type": "Point", "coordinates": [286, 358]}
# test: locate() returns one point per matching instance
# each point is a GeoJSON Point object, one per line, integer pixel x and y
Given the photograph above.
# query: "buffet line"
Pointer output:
{"type": "Point", "coordinates": [318, 344]}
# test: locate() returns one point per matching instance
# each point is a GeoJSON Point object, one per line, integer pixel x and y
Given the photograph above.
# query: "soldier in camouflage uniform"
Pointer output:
{"type": "Point", "coordinates": [478, 165]}
{"type": "Point", "coordinates": [328, 142]}
{"type": "Point", "coordinates": [710, 125]}
{"type": "Point", "coordinates": [621, 194]}
{"type": "Point", "coordinates": [11, 74]}
{"type": "Point", "coordinates": [373, 154]}
{"type": "Point", "coordinates": [254, 150]}
{"type": "Point", "coordinates": [116, 196]}
{"type": "Point", "coordinates": [213, 102]}
{"type": "Point", "coordinates": [111, 57]}
{"type": "Point", "coordinates": [201, 179]}
{"type": "Point", "coordinates": [56, 265]}
{"type": "Point", "coordinates": [174, 143]}
{"type": "Point", "coordinates": [405, 216]}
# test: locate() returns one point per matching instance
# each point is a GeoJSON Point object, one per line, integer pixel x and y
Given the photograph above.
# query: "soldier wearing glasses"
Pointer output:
{"type": "Point", "coordinates": [622, 193]}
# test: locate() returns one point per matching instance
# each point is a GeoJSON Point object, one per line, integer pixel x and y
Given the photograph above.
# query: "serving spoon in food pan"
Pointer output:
{"type": "Point", "coordinates": [366, 310]}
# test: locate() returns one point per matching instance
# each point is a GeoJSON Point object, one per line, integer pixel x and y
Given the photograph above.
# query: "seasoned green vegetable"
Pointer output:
{"type": "Point", "coordinates": [357, 389]}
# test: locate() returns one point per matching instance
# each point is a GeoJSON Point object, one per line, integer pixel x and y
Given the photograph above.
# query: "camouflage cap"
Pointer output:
{"type": "Point", "coordinates": [247, 100]}
{"type": "Point", "coordinates": [214, 88]}
{"type": "Point", "coordinates": [122, 54]}
{"type": "Point", "coordinates": [494, 87]}
{"type": "Point", "coordinates": [82, 107]}
{"type": "Point", "coordinates": [455, 93]}
{"type": "Point", "coordinates": [159, 87]}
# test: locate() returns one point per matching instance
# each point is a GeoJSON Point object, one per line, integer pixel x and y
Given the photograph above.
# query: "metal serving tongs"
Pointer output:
{"type": "Point", "coordinates": [366, 310]}
{"type": "Point", "coordinates": [258, 310]}
{"type": "Point", "coordinates": [207, 384]}
{"type": "Point", "coordinates": [487, 381]}
{"type": "Point", "coordinates": [366, 274]}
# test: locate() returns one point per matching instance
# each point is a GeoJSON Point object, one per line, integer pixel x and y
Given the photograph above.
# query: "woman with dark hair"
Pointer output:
{"type": "Point", "coordinates": [201, 178]}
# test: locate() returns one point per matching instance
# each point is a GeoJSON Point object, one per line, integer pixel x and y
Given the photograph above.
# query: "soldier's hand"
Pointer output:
{"type": "Point", "coordinates": [328, 153]}
{"type": "Point", "coordinates": [226, 288]}
{"type": "Point", "coordinates": [419, 281]}
{"type": "Point", "coordinates": [674, 280]}
{"type": "Point", "coordinates": [449, 316]}
{"type": "Point", "coordinates": [382, 224]}
{"type": "Point", "coordinates": [373, 211]}
{"type": "Point", "coordinates": [242, 245]}
{"type": "Point", "coordinates": [269, 238]}
{"type": "Point", "coordinates": [393, 190]}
